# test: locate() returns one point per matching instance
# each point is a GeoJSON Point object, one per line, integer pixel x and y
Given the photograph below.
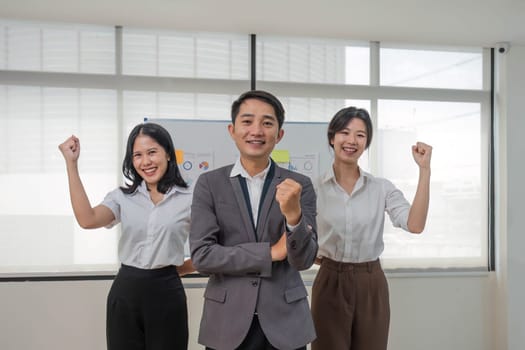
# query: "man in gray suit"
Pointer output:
{"type": "Point", "coordinates": [252, 230]}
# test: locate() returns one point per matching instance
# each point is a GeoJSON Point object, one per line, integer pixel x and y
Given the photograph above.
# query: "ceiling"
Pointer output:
{"type": "Point", "coordinates": [444, 22]}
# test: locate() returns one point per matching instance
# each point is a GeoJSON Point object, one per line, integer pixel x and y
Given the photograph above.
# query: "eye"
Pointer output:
{"type": "Point", "coordinates": [268, 124]}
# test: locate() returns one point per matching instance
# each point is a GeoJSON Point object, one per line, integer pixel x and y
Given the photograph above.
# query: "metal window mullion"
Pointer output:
{"type": "Point", "coordinates": [157, 55]}
{"type": "Point", "coordinates": [375, 60]}
{"type": "Point", "coordinates": [375, 66]}
{"type": "Point", "coordinates": [41, 31]}
{"type": "Point", "coordinates": [6, 51]}
{"type": "Point", "coordinates": [80, 108]}
{"type": "Point", "coordinates": [489, 109]}
{"type": "Point", "coordinates": [42, 128]}
{"type": "Point", "coordinates": [118, 50]}
{"type": "Point", "coordinates": [79, 51]}
{"type": "Point", "coordinates": [253, 61]}
{"type": "Point", "coordinates": [230, 59]}
{"type": "Point", "coordinates": [288, 54]}
{"type": "Point", "coordinates": [119, 59]}
{"type": "Point", "coordinates": [195, 72]}
{"type": "Point", "coordinates": [195, 62]}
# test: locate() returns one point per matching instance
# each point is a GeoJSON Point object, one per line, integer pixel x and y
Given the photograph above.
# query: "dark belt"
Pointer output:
{"type": "Point", "coordinates": [132, 271]}
{"type": "Point", "coordinates": [367, 266]}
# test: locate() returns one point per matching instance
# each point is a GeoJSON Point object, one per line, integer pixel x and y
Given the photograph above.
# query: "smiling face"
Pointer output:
{"type": "Point", "coordinates": [256, 131]}
{"type": "Point", "coordinates": [350, 142]}
{"type": "Point", "coordinates": [150, 160]}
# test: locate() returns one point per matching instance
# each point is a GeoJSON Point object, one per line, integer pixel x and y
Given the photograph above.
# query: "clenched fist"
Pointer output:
{"type": "Point", "coordinates": [70, 149]}
{"type": "Point", "coordinates": [288, 195]}
{"type": "Point", "coordinates": [422, 154]}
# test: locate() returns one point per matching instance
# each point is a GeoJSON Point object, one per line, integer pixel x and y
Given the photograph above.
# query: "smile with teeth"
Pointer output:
{"type": "Point", "coordinates": [149, 171]}
{"type": "Point", "coordinates": [350, 149]}
{"type": "Point", "coordinates": [256, 142]}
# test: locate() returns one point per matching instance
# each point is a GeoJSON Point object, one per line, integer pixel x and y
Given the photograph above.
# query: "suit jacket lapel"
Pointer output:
{"type": "Point", "coordinates": [245, 215]}
{"type": "Point", "coordinates": [269, 200]}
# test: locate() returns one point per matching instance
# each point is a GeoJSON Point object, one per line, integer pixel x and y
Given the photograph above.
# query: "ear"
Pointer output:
{"type": "Point", "coordinates": [280, 135]}
{"type": "Point", "coordinates": [231, 129]}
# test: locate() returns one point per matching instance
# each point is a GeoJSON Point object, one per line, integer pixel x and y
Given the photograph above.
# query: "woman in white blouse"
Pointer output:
{"type": "Point", "coordinates": [350, 302]}
{"type": "Point", "coordinates": [146, 306]}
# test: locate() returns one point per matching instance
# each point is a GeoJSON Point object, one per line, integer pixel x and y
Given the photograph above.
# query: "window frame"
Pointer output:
{"type": "Point", "coordinates": [373, 92]}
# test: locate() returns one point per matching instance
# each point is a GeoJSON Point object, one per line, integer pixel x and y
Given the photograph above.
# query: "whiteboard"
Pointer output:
{"type": "Point", "coordinates": [206, 145]}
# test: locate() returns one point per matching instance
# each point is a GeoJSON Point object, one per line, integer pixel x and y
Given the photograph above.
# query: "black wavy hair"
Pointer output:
{"type": "Point", "coordinates": [172, 176]}
{"type": "Point", "coordinates": [341, 119]}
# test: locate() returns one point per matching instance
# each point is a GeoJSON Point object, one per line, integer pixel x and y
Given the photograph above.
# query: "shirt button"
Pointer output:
{"type": "Point", "coordinates": [254, 283]}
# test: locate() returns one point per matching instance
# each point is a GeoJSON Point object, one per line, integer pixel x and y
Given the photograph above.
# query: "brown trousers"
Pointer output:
{"type": "Point", "coordinates": [350, 306]}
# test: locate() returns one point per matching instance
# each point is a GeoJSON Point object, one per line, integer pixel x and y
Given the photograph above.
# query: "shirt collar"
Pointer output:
{"type": "Point", "coordinates": [174, 189]}
{"type": "Point", "coordinates": [238, 169]}
{"type": "Point", "coordinates": [330, 175]}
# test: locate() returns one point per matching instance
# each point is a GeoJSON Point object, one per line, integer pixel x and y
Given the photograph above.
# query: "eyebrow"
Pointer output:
{"type": "Point", "coordinates": [357, 130]}
{"type": "Point", "coordinates": [149, 149]}
{"type": "Point", "coordinates": [270, 116]}
{"type": "Point", "coordinates": [251, 115]}
{"type": "Point", "coordinates": [246, 115]}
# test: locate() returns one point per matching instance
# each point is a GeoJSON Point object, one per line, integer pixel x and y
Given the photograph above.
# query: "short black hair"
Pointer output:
{"type": "Point", "coordinates": [162, 137]}
{"type": "Point", "coordinates": [263, 96]}
{"type": "Point", "coordinates": [341, 119]}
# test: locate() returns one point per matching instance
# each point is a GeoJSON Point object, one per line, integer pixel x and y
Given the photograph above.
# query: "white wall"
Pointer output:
{"type": "Point", "coordinates": [514, 86]}
{"type": "Point", "coordinates": [444, 22]}
{"type": "Point", "coordinates": [430, 313]}
{"type": "Point", "coordinates": [465, 312]}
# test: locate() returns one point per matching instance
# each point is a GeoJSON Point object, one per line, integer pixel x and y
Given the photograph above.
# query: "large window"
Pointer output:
{"type": "Point", "coordinates": [440, 96]}
{"type": "Point", "coordinates": [456, 231]}
{"type": "Point", "coordinates": [98, 82]}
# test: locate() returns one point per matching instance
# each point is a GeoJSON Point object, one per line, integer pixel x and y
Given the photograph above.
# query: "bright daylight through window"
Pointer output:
{"type": "Point", "coordinates": [65, 79]}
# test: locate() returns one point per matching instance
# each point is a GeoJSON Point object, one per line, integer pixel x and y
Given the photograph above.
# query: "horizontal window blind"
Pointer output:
{"type": "Point", "coordinates": [435, 95]}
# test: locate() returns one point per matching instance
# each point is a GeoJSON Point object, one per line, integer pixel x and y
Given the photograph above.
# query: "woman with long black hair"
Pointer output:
{"type": "Point", "coordinates": [146, 306]}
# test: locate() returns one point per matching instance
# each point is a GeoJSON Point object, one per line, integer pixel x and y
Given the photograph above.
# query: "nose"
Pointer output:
{"type": "Point", "coordinates": [146, 160]}
{"type": "Point", "coordinates": [256, 129]}
{"type": "Point", "coordinates": [352, 139]}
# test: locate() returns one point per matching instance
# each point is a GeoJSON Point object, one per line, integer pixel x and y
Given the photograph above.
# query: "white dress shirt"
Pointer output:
{"type": "Point", "coordinates": [350, 227]}
{"type": "Point", "coordinates": [153, 235]}
{"type": "Point", "coordinates": [254, 183]}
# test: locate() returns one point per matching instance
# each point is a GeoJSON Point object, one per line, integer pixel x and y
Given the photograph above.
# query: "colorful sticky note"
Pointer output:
{"type": "Point", "coordinates": [281, 155]}
{"type": "Point", "coordinates": [179, 154]}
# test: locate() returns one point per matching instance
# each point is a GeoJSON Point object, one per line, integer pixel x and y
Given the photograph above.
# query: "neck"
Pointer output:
{"type": "Point", "coordinates": [254, 166]}
{"type": "Point", "coordinates": [154, 195]}
{"type": "Point", "coordinates": [151, 188]}
{"type": "Point", "coordinates": [346, 171]}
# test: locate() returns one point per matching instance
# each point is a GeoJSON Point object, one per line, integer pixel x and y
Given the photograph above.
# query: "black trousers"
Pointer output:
{"type": "Point", "coordinates": [255, 339]}
{"type": "Point", "coordinates": [146, 310]}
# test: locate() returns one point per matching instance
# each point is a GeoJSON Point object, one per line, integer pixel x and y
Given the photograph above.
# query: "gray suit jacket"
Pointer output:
{"type": "Point", "coordinates": [243, 279]}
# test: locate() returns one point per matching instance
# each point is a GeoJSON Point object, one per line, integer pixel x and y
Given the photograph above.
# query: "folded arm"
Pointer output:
{"type": "Point", "coordinates": [299, 209]}
{"type": "Point", "coordinates": [209, 254]}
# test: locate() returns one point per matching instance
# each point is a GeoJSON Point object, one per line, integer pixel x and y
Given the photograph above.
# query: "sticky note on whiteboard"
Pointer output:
{"type": "Point", "coordinates": [179, 154]}
{"type": "Point", "coordinates": [281, 156]}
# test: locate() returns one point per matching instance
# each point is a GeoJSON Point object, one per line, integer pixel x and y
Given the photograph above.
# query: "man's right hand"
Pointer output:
{"type": "Point", "coordinates": [278, 250]}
